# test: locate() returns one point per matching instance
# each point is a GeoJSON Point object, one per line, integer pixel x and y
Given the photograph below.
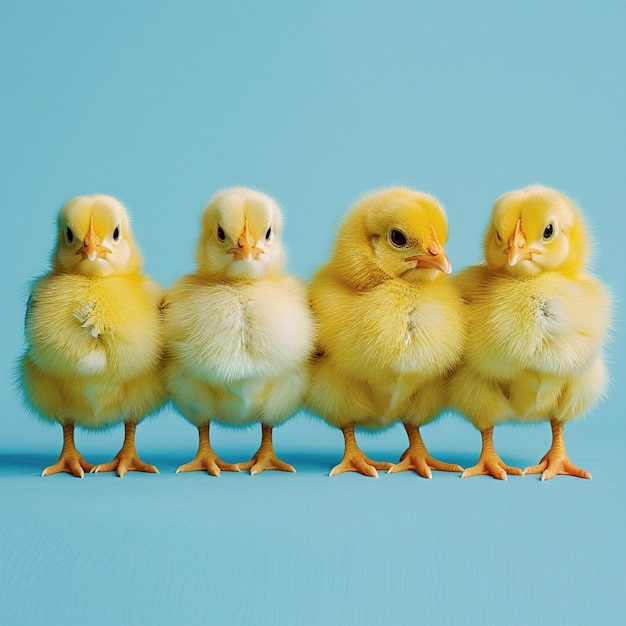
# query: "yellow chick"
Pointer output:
{"type": "Point", "coordinates": [93, 334]}
{"type": "Point", "coordinates": [391, 326]}
{"type": "Point", "coordinates": [239, 332]}
{"type": "Point", "coordinates": [537, 323]}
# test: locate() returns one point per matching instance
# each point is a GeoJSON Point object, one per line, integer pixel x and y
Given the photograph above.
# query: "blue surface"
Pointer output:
{"type": "Point", "coordinates": [314, 104]}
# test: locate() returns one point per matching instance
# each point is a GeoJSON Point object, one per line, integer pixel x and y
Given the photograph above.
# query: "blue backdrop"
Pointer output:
{"type": "Point", "coordinates": [162, 104]}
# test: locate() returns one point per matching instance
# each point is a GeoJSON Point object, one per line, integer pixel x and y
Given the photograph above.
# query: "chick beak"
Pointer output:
{"type": "Point", "coordinates": [436, 257]}
{"type": "Point", "coordinates": [91, 245]}
{"type": "Point", "coordinates": [516, 250]}
{"type": "Point", "coordinates": [246, 249]}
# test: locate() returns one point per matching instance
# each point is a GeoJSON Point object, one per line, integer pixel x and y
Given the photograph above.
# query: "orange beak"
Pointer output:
{"type": "Point", "coordinates": [246, 249]}
{"type": "Point", "coordinates": [92, 249]}
{"type": "Point", "coordinates": [436, 257]}
{"type": "Point", "coordinates": [516, 250]}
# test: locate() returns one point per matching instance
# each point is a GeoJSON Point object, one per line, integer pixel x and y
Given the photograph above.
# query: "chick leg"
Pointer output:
{"type": "Point", "coordinates": [70, 459]}
{"type": "Point", "coordinates": [416, 457]}
{"type": "Point", "coordinates": [206, 459]}
{"type": "Point", "coordinates": [556, 461]}
{"type": "Point", "coordinates": [127, 459]}
{"type": "Point", "coordinates": [489, 462]}
{"type": "Point", "coordinates": [265, 458]}
{"type": "Point", "coordinates": [354, 460]}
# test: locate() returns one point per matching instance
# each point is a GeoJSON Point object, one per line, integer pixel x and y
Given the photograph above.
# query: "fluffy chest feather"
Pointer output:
{"type": "Point", "coordinates": [548, 324]}
{"type": "Point", "coordinates": [231, 332]}
{"type": "Point", "coordinates": [94, 326]}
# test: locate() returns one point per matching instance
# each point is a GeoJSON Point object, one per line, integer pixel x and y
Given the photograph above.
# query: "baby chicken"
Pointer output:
{"type": "Point", "coordinates": [93, 334]}
{"type": "Point", "coordinates": [239, 331]}
{"type": "Point", "coordinates": [537, 324]}
{"type": "Point", "coordinates": [391, 326]}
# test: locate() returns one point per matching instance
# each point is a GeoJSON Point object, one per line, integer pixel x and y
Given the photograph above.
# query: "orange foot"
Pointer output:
{"type": "Point", "coordinates": [208, 461]}
{"type": "Point", "coordinates": [422, 464]}
{"type": "Point", "coordinates": [70, 460]}
{"type": "Point", "coordinates": [356, 461]}
{"type": "Point", "coordinates": [265, 458]}
{"type": "Point", "coordinates": [554, 463]}
{"type": "Point", "coordinates": [126, 459]}
{"type": "Point", "coordinates": [124, 462]}
{"type": "Point", "coordinates": [416, 457]}
{"type": "Point", "coordinates": [489, 462]}
{"type": "Point", "coordinates": [491, 465]}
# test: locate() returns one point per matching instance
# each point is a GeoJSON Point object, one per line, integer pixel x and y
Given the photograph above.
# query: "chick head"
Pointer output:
{"type": "Point", "coordinates": [533, 230]}
{"type": "Point", "coordinates": [94, 238]}
{"type": "Point", "coordinates": [240, 236]}
{"type": "Point", "coordinates": [394, 233]}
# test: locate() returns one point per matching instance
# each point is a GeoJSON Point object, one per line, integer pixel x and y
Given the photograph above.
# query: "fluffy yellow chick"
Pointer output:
{"type": "Point", "coordinates": [537, 321]}
{"type": "Point", "coordinates": [239, 331]}
{"type": "Point", "coordinates": [391, 326]}
{"type": "Point", "coordinates": [94, 334]}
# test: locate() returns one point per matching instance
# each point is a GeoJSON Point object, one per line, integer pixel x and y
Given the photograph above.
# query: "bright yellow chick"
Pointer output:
{"type": "Point", "coordinates": [239, 331]}
{"type": "Point", "coordinates": [537, 323]}
{"type": "Point", "coordinates": [391, 326]}
{"type": "Point", "coordinates": [94, 334]}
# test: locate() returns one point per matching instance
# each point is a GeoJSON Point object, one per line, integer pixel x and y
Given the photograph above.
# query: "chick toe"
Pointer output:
{"type": "Point", "coordinates": [265, 458]}
{"type": "Point", "coordinates": [206, 459]}
{"type": "Point", "coordinates": [556, 461]}
{"type": "Point", "coordinates": [70, 460]}
{"type": "Point", "coordinates": [417, 458]}
{"type": "Point", "coordinates": [127, 459]}
{"type": "Point", "coordinates": [554, 464]}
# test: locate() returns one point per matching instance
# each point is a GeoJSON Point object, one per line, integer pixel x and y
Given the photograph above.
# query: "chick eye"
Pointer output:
{"type": "Point", "coordinates": [498, 237]}
{"type": "Point", "coordinates": [69, 235]}
{"type": "Point", "coordinates": [549, 231]}
{"type": "Point", "coordinates": [268, 234]}
{"type": "Point", "coordinates": [116, 233]}
{"type": "Point", "coordinates": [397, 238]}
{"type": "Point", "coordinates": [220, 233]}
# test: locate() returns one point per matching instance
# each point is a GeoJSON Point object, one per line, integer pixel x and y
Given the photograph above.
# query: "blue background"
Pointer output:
{"type": "Point", "coordinates": [315, 104]}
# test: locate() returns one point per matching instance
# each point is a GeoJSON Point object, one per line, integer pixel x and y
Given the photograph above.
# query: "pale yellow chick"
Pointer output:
{"type": "Point", "coordinates": [538, 321]}
{"type": "Point", "coordinates": [239, 330]}
{"type": "Point", "coordinates": [391, 326]}
{"type": "Point", "coordinates": [93, 331]}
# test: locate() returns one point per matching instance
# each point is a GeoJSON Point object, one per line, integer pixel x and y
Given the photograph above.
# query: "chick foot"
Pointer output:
{"type": "Point", "coordinates": [127, 459]}
{"type": "Point", "coordinates": [417, 458]}
{"type": "Point", "coordinates": [556, 461]}
{"type": "Point", "coordinates": [70, 460]}
{"type": "Point", "coordinates": [265, 458]}
{"type": "Point", "coordinates": [489, 463]}
{"type": "Point", "coordinates": [206, 459]}
{"type": "Point", "coordinates": [354, 460]}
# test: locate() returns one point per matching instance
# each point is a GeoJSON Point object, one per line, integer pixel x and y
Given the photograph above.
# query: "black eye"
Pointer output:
{"type": "Point", "coordinates": [498, 238]}
{"type": "Point", "coordinates": [116, 233]}
{"type": "Point", "coordinates": [548, 232]}
{"type": "Point", "coordinates": [397, 238]}
{"type": "Point", "coordinates": [220, 233]}
{"type": "Point", "coordinates": [69, 234]}
{"type": "Point", "coordinates": [268, 234]}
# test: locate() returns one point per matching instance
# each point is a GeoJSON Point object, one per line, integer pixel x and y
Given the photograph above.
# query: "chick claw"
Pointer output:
{"type": "Point", "coordinates": [358, 462]}
{"type": "Point", "coordinates": [422, 465]}
{"type": "Point", "coordinates": [209, 462]}
{"type": "Point", "coordinates": [124, 463]}
{"type": "Point", "coordinates": [262, 462]}
{"type": "Point", "coordinates": [553, 464]}
{"type": "Point", "coordinates": [491, 465]}
{"type": "Point", "coordinates": [70, 462]}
